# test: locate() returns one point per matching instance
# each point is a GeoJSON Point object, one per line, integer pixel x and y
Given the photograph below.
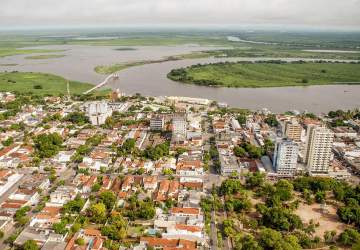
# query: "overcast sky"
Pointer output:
{"type": "Point", "coordinates": [312, 13]}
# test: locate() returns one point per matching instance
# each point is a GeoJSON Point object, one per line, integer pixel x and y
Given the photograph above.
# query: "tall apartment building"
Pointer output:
{"type": "Point", "coordinates": [157, 123]}
{"type": "Point", "coordinates": [293, 131]}
{"type": "Point", "coordinates": [318, 149]}
{"type": "Point", "coordinates": [285, 157]}
{"type": "Point", "coordinates": [179, 126]}
{"type": "Point", "coordinates": [98, 112]}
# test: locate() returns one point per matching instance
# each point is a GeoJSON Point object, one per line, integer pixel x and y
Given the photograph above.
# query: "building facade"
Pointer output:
{"type": "Point", "coordinates": [318, 149]}
{"type": "Point", "coordinates": [98, 112]}
{"type": "Point", "coordinates": [285, 157]}
{"type": "Point", "coordinates": [157, 123]}
{"type": "Point", "coordinates": [293, 131]}
{"type": "Point", "coordinates": [179, 127]}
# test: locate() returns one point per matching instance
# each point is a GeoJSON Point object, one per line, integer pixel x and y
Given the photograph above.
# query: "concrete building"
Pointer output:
{"type": "Point", "coordinates": [157, 123]}
{"type": "Point", "coordinates": [98, 112]}
{"type": "Point", "coordinates": [179, 127]}
{"type": "Point", "coordinates": [285, 157]}
{"type": "Point", "coordinates": [293, 131]}
{"type": "Point", "coordinates": [318, 149]}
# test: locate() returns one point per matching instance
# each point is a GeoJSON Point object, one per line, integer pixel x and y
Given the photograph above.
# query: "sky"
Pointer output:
{"type": "Point", "coordinates": [340, 14]}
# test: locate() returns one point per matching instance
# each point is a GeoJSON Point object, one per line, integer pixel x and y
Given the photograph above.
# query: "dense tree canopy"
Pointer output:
{"type": "Point", "coordinates": [78, 118]}
{"type": "Point", "coordinates": [47, 145]}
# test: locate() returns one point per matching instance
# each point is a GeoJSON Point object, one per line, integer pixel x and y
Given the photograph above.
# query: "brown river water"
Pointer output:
{"type": "Point", "coordinates": [80, 61]}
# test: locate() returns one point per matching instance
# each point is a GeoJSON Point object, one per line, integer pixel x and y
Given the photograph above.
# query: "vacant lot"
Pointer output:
{"type": "Point", "coordinates": [39, 83]}
{"type": "Point", "coordinates": [268, 74]}
{"type": "Point", "coordinates": [328, 220]}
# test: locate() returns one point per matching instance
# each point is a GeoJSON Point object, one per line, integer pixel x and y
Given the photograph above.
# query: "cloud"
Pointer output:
{"type": "Point", "coordinates": [180, 12]}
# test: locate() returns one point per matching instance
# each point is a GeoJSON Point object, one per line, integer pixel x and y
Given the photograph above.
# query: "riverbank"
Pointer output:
{"type": "Point", "coordinates": [39, 83]}
{"type": "Point", "coordinates": [267, 74]}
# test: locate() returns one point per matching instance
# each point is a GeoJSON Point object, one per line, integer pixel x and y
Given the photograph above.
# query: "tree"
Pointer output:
{"type": "Point", "coordinates": [284, 189]}
{"type": "Point", "coordinates": [329, 236]}
{"type": "Point", "coordinates": [255, 180]}
{"type": "Point", "coordinates": [96, 187]}
{"type": "Point", "coordinates": [74, 206]}
{"type": "Point", "coordinates": [228, 226]}
{"type": "Point", "coordinates": [75, 227]}
{"type": "Point", "coordinates": [97, 212]}
{"type": "Point", "coordinates": [157, 152]}
{"type": "Point", "coordinates": [78, 118]}
{"type": "Point", "coordinates": [320, 196]}
{"type": "Point", "coordinates": [271, 120]}
{"type": "Point", "coordinates": [30, 245]}
{"type": "Point", "coordinates": [246, 242]}
{"type": "Point", "coordinates": [230, 186]}
{"type": "Point", "coordinates": [280, 219]}
{"type": "Point", "coordinates": [48, 145]}
{"type": "Point", "coordinates": [60, 227]}
{"type": "Point", "coordinates": [271, 239]}
{"type": "Point", "coordinates": [349, 237]}
{"type": "Point", "coordinates": [80, 241]}
{"type": "Point", "coordinates": [239, 151]}
{"type": "Point", "coordinates": [116, 229]}
{"type": "Point", "coordinates": [241, 119]}
{"type": "Point", "coordinates": [108, 198]}
{"type": "Point", "coordinates": [8, 142]}
{"type": "Point", "coordinates": [127, 147]}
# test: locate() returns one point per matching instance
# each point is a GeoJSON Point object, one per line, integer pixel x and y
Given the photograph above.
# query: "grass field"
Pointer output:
{"type": "Point", "coordinates": [5, 51]}
{"type": "Point", "coordinates": [256, 75]}
{"type": "Point", "coordinates": [39, 83]}
{"type": "Point", "coordinates": [41, 57]}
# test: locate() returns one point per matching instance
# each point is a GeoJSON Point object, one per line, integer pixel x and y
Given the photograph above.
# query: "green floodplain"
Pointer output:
{"type": "Point", "coordinates": [279, 44]}
{"type": "Point", "coordinates": [268, 74]}
{"type": "Point", "coordinates": [39, 83]}
{"type": "Point", "coordinates": [267, 44]}
{"type": "Point", "coordinates": [109, 69]}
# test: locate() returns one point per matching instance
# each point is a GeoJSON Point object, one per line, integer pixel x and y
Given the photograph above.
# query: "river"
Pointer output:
{"type": "Point", "coordinates": [79, 62]}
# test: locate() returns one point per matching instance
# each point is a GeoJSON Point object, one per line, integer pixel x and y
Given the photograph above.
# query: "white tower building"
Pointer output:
{"type": "Point", "coordinates": [285, 157]}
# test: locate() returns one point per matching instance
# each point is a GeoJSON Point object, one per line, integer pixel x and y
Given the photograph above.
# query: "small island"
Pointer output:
{"type": "Point", "coordinates": [275, 73]}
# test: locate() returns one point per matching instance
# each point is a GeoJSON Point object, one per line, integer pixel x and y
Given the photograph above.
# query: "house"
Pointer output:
{"type": "Point", "coordinates": [189, 168]}
{"type": "Point", "coordinates": [62, 195]}
{"type": "Point", "coordinates": [46, 217]}
{"type": "Point", "coordinates": [150, 182]}
{"type": "Point", "coordinates": [161, 243]}
{"type": "Point", "coordinates": [185, 232]}
{"type": "Point", "coordinates": [8, 178]}
{"type": "Point", "coordinates": [31, 196]}
{"type": "Point", "coordinates": [167, 190]}
{"type": "Point", "coordinates": [64, 156]}
{"type": "Point", "coordinates": [185, 211]}
{"type": "Point", "coordinates": [106, 183]}
{"type": "Point", "coordinates": [92, 237]}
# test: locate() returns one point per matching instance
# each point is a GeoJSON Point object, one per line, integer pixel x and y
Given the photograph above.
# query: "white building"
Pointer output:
{"type": "Point", "coordinates": [179, 127]}
{"type": "Point", "coordinates": [8, 179]}
{"type": "Point", "coordinates": [285, 157]}
{"type": "Point", "coordinates": [157, 123]}
{"type": "Point", "coordinates": [98, 112]}
{"type": "Point", "coordinates": [235, 124]}
{"type": "Point", "coordinates": [318, 150]}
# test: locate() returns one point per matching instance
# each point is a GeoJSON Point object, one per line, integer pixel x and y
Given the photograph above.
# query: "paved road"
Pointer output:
{"type": "Point", "coordinates": [213, 233]}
